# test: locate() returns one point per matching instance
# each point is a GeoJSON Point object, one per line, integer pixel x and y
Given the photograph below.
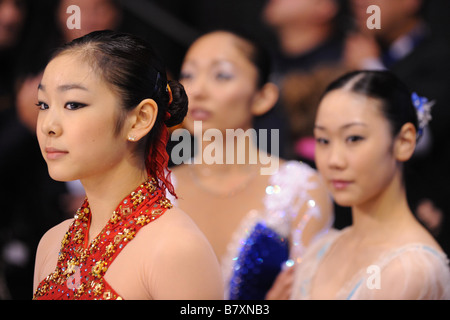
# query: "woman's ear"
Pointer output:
{"type": "Point", "coordinates": [405, 142]}
{"type": "Point", "coordinates": [265, 99]}
{"type": "Point", "coordinates": [142, 119]}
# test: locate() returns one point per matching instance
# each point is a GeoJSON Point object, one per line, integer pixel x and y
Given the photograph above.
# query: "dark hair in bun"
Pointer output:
{"type": "Point", "coordinates": [179, 106]}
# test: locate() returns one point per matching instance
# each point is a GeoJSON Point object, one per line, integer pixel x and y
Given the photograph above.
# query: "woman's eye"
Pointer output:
{"type": "Point", "coordinates": [353, 139]}
{"type": "Point", "coordinates": [42, 105]}
{"type": "Point", "coordinates": [185, 75]}
{"type": "Point", "coordinates": [223, 76]}
{"type": "Point", "coordinates": [322, 141]}
{"type": "Point", "coordinates": [74, 105]}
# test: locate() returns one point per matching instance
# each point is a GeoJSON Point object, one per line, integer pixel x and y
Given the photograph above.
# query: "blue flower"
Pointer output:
{"type": "Point", "coordinates": [423, 109]}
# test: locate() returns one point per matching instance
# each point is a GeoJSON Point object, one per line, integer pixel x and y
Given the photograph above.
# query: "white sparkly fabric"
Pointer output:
{"type": "Point", "coordinates": [287, 196]}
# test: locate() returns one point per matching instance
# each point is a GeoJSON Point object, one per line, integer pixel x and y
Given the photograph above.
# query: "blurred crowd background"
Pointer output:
{"type": "Point", "coordinates": [311, 42]}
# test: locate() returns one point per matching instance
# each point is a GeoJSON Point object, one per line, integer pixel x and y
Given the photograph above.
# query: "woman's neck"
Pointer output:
{"type": "Point", "coordinates": [225, 174]}
{"type": "Point", "coordinates": [105, 192]}
{"type": "Point", "coordinates": [235, 151]}
{"type": "Point", "coordinates": [382, 216]}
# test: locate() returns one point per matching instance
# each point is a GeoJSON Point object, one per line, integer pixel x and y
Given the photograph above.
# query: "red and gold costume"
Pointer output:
{"type": "Point", "coordinates": [81, 266]}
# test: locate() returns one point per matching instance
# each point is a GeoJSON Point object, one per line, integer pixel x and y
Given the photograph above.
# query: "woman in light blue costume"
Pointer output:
{"type": "Point", "coordinates": [257, 210]}
{"type": "Point", "coordinates": [366, 127]}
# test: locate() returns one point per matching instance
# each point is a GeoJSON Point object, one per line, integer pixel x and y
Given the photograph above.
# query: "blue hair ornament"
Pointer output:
{"type": "Point", "coordinates": [423, 110]}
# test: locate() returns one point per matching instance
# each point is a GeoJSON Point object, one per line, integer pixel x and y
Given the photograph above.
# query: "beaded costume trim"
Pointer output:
{"type": "Point", "coordinates": [81, 267]}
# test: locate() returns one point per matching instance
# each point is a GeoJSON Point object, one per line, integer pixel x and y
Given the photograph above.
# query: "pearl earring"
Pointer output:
{"type": "Point", "coordinates": [131, 138]}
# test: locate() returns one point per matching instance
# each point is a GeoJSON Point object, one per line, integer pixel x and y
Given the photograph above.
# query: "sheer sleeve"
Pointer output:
{"type": "Point", "coordinates": [306, 267]}
{"type": "Point", "coordinates": [414, 272]}
{"type": "Point", "coordinates": [314, 217]}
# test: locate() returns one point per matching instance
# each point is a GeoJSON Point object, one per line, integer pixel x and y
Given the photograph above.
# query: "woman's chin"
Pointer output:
{"type": "Point", "coordinates": [344, 201]}
{"type": "Point", "coordinates": [61, 177]}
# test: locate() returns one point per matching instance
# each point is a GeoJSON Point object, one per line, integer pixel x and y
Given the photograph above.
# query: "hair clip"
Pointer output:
{"type": "Point", "coordinates": [169, 91]}
{"type": "Point", "coordinates": [423, 110]}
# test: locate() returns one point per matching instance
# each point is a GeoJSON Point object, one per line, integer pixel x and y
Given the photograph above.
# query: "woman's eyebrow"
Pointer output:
{"type": "Point", "coordinates": [65, 87]}
{"type": "Point", "coordinates": [345, 126]}
{"type": "Point", "coordinates": [72, 86]}
{"type": "Point", "coordinates": [353, 124]}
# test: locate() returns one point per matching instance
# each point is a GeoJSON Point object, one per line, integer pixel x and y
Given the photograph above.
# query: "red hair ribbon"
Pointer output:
{"type": "Point", "coordinates": [158, 159]}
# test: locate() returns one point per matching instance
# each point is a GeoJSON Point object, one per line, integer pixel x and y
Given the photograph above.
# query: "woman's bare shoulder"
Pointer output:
{"type": "Point", "coordinates": [174, 234]}
{"type": "Point", "coordinates": [419, 234]}
{"type": "Point", "coordinates": [181, 257]}
{"type": "Point", "coordinates": [174, 226]}
{"type": "Point", "coordinates": [48, 249]}
{"type": "Point", "coordinates": [55, 233]}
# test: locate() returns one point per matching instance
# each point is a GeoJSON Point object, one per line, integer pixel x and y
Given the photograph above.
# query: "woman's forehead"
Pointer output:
{"type": "Point", "coordinates": [70, 68]}
{"type": "Point", "coordinates": [220, 44]}
{"type": "Point", "coordinates": [343, 106]}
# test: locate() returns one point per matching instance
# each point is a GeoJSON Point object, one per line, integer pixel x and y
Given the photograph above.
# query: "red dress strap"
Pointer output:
{"type": "Point", "coordinates": [81, 267]}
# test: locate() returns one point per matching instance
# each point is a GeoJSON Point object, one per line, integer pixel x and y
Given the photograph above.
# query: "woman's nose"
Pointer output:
{"type": "Point", "coordinates": [336, 157]}
{"type": "Point", "coordinates": [49, 123]}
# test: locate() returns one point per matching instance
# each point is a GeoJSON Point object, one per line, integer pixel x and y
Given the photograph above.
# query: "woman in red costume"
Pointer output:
{"type": "Point", "coordinates": [104, 108]}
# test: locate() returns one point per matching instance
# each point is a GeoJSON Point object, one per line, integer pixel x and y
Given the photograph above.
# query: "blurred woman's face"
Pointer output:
{"type": "Point", "coordinates": [12, 19]}
{"type": "Point", "coordinates": [354, 147]}
{"type": "Point", "coordinates": [221, 83]}
{"type": "Point", "coordinates": [280, 13]}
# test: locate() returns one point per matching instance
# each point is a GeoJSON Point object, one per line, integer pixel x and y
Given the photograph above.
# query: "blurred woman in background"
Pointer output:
{"type": "Point", "coordinates": [255, 222]}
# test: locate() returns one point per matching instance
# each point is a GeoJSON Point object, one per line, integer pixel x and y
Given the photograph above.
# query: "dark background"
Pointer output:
{"type": "Point", "coordinates": [170, 25]}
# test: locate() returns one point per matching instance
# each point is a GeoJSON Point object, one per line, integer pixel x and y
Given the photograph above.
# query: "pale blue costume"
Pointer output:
{"type": "Point", "coordinates": [407, 267]}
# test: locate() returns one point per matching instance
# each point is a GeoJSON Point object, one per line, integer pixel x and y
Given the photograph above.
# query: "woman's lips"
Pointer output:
{"type": "Point", "coordinates": [340, 184]}
{"type": "Point", "coordinates": [54, 154]}
{"type": "Point", "coordinates": [199, 114]}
